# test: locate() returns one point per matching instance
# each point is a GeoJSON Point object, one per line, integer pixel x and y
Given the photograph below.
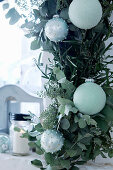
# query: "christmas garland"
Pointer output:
{"type": "Point", "coordinates": [77, 126]}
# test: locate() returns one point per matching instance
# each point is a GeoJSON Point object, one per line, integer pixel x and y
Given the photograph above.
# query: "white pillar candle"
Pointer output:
{"type": "Point", "coordinates": [19, 125]}
{"type": "Point", "coordinates": [19, 144]}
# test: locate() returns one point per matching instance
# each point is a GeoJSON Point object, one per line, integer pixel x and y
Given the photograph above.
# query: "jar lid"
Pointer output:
{"type": "Point", "coordinates": [19, 117]}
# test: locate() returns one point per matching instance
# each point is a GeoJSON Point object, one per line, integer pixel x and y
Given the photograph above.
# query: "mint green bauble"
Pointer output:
{"type": "Point", "coordinates": [85, 14]}
{"type": "Point", "coordinates": [89, 98]}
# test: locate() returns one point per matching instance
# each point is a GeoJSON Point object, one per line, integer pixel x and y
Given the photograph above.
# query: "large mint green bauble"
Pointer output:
{"type": "Point", "coordinates": [89, 98]}
{"type": "Point", "coordinates": [85, 14]}
{"type": "Point", "coordinates": [52, 141]}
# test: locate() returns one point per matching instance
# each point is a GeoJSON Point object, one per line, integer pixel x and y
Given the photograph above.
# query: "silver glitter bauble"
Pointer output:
{"type": "Point", "coordinates": [52, 141]}
{"type": "Point", "coordinates": [56, 29]}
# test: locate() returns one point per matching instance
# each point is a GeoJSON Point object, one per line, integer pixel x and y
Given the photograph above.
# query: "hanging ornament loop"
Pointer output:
{"type": "Point", "coordinates": [89, 80]}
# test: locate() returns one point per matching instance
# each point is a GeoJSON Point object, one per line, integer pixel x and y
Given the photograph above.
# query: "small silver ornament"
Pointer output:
{"type": "Point", "coordinates": [56, 29]}
{"type": "Point", "coordinates": [52, 141]}
{"type": "Point", "coordinates": [4, 143]}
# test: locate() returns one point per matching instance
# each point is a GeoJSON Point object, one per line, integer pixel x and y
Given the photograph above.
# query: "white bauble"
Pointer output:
{"type": "Point", "coordinates": [52, 141]}
{"type": "Point", "coordinates": [56, 29]}
{"type": "Point", "coordinates": [85, 14]}
{"type": "Point", "coordinates": [89, 98]}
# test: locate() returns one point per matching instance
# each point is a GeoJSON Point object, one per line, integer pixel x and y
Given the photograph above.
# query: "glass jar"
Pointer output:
{"type": "Point", "coordinates": [19, 124]}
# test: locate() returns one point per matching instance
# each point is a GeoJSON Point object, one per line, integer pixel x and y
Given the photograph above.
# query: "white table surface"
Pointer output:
{"type": "Point", "coordinates": [9, 162]}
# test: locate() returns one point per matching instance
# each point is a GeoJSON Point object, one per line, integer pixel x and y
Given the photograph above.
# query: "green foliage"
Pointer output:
{"type": "Point", "coordinates": [39, 151]}
{"type": "Point", "coordinates": [5, 6]}
{"type": "Point", "coordinates": [13, 15]}
{"type": "Point", "coordinates": [37, 163]}
{"type": "Point", "coordinates": [108, 113]}
{"type": "Point", "coordinates": [17, 129]}
{"type": "Point", "coordinates": [81, 55]}
{"type": "Point", "coordinates": [65, 124]}
{"type": "Point", "coordinates": [35, 45]}
{"type": "Point", "coordinates": [48, 117]}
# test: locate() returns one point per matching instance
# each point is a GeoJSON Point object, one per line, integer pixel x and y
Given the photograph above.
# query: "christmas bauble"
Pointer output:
{"type": "Point", "coordinates": [85, 14]}
{"type": "Point", "coordinates": [56, 29]}
{"type": "Point", "coordinates": [89, 98]}
{"type": "Point", "coordinates": [48, 118]}
{"type": "Point", "coordinates": [52, 141]}
{"type": "Point", "coordinates": [4, 143]}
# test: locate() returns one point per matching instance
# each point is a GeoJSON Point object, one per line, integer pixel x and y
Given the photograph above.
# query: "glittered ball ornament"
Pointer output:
{"type": "Point", "coordinates": [4, 143]}
{"type": "Point", "coordinates": [89, 98]}
{"type": "Point", "coordinates": [56, 29]}
{"type": "Point", "coordinates": [85, 14]}
{"type": "Point", "coordinates": [52, 141]}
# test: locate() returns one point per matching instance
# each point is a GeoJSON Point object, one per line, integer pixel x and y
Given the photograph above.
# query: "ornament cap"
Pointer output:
{"type": "Point", "coordinates": [89, 80]}
{"type": "Point", "coordinates": [56, 16]}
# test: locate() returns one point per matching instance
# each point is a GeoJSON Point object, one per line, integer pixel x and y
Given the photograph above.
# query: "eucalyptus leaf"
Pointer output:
{"type": "Point", "coordinates": [82, 123]}
{"type": "Point", "coordinates": [102, 124]}
{"type": "Point", "coordinates": [65, 163]}
{"type": "Point", "coordinates": [5, 6]}
{"type": "Point", "coordinates": [76, 119]}
{"type": "Point", "coordinates": [61, 109]}
{"type": "Point", "coordinates": [39, 128]}
{"type": "Point", "coordinates": [64, 14]}
{"type": "Point", "coordinates": [39, 151]}
{"type": "Point", "coordinates": [110, 154]}
{"type": "Point", "coordinates": [36, 14]}
{"type": "Point", "coordinates": [52, 7]}
{"type": "Point", "coordinates": [71, 152]}
{"type": "Point", "coordinates": [64, 101]}
{"type": "Point", "coordinates": [37, 163]}
{"type": "Point", "coordinates": [69, 108]}
{"type": "Point", "coordinates": [38, 27]}
{"type": "Point", "coordinates": [65, 124]}
{"type": "Point", "coordinates": [73, 127]}
{"type": "Point", "coordinates": [82, 146]}
{"type": "Point", "coordinates": [17, 129]}
{"type": "Point", "coordinates": [98, 141]}
{"type": "Point", "coordinates": [59, 74]}
{"type": "Point", "coordinates": [13, 15]}
{"type": "Point", "coordinates": [49, 158]}
{"type": "Point", "coordinates": [35, 45]}
{"type": "Point", "coordinates": [108, 113]}
{"type": "Point", "coordinates": [34, 134]}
